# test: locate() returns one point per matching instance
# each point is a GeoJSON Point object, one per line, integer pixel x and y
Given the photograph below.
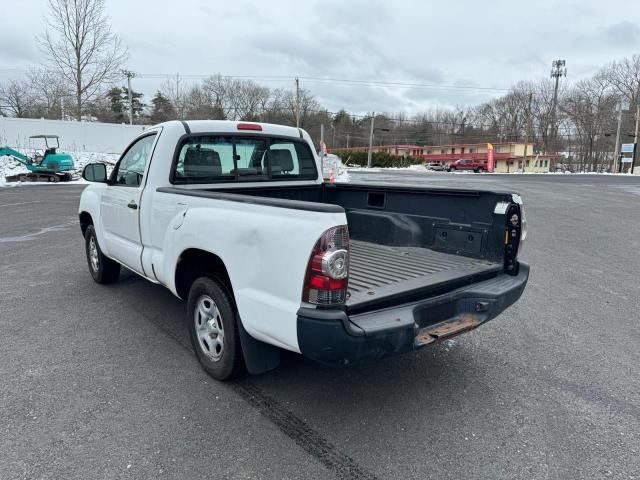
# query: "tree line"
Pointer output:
{"type": "Point", "coordinates": [83, 79]}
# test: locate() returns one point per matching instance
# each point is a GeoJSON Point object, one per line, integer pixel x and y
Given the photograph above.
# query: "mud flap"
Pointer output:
{"type": "Point", "coordinates": [259, 357]}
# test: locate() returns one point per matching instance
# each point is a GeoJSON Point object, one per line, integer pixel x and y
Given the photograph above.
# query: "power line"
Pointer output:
{"type": "Point", "coordinates": [376, 83]}
{"type": "Point", "coordinates": [328, 80]}
{"type": "Point", "coordinates": [404, 84]}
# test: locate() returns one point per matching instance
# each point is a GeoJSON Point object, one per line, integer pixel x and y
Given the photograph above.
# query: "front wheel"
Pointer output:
{"type": "Point", "coordinates": [452, 169]}
{"type": "Point", "coordinates": [212, 321]}
{"type": "Point", "coordinates": [479, 170]}
{"type": "Point", "coordinates": [102, 269]}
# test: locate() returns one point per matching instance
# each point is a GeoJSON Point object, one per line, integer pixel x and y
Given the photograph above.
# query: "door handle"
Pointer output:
{"type": "Point", "coordinates": [133, 205]}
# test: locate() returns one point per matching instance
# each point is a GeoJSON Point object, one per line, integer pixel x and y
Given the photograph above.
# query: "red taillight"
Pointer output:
{"type": "Point", "coordinates": [322, 282]}
{"type": "Point", "coordinates": [250, 126]}
{"type": "Point", "coordinates": [326, 279]}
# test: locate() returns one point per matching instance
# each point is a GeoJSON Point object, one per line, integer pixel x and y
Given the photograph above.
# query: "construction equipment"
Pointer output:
{"type": "Point", "coordinates": [49, 167]}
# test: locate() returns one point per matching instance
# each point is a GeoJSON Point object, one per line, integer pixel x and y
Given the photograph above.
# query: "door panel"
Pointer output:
{"type": "Point", "coordinates": [122, 226]}
{"type": "Point", "coordinates": [120, 204]}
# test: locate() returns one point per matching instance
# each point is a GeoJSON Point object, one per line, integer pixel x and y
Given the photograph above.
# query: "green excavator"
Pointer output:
{"type": "Point", "coordinates": [49, 167]}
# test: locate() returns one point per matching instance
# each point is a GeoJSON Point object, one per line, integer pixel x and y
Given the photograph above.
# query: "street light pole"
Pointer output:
{"type": "Point", "coordinates": [558, 69]}
{"type": "Point", "coordinates": [297, 102]}
{"type": "Point", "coordinates": [369, 154]}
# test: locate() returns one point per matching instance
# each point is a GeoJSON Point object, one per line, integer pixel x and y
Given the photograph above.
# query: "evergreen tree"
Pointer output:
{"type": "Point", "coordinates": [162, 109]}
{"type": "Point", "coordinates": [136, 100]}
{"type": "Point", "coordinates": [116, 112]}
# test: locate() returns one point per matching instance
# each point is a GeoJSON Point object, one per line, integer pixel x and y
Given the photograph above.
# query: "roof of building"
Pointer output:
{"type": "Point", "coordinates": [483, 144]}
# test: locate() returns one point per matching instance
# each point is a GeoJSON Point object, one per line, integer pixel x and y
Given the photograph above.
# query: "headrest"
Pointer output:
{"type": "Point", "coordinates": [281, 160]}
{"type": "Point", "coordinates": [201, 162]}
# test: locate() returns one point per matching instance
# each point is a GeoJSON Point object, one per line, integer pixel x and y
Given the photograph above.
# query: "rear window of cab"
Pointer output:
{"type": "Point", "coordinates": [227, 158]}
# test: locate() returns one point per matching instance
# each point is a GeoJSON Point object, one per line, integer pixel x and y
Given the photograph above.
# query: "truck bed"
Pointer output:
{"type": "Point", "coordinates": [379, 273]}
{"type": "Point", "coordinates": [406, 243]}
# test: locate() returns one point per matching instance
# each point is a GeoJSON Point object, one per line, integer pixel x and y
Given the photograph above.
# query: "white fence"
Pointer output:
{"type": "Point", "coordinates": [74, 136]}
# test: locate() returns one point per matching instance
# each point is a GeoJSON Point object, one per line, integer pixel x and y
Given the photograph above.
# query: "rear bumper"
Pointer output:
{"type": "Point", "coordinates": [333, 337]}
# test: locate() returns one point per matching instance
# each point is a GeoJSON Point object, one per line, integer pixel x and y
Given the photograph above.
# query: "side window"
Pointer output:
{"type": "Point", "coordinates": [130, 168]}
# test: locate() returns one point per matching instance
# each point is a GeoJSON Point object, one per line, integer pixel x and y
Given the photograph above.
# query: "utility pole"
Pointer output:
{"type": "Point", "coordinates": [526, 131]}
{"type": "Point", "coordinates": [635, 139]}
{"type": "Point", "coordinates": [177, 103]}
{"type": "Point", "coordinates": [373, 116]}
{"type": "Point", "coordinates": [129, 74]}
{"type": "Point", "coordinates": [616, 159]}
{"type": "Point", "coordinates": [297, 102]}
{"type": "Point", "coordinates": [558, 69]}
{"type": "Point", "coordinates": [322, 149]}
{"type": "Point", "coordinates": [347, 140]}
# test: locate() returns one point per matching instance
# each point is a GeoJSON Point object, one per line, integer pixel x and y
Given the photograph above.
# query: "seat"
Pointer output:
{"type": "Point", "coordinates": [281, 161]}
{"type": "Point", "coordinates": [202, 162]}
{"type": "Point", "coordinates": [132, 178]}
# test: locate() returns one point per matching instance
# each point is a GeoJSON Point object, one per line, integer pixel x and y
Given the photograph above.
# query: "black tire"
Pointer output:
{"type": "Point", "coordinates": [452, 169]}
{"type": "Point", "coordinates": [479, 170]}
{"type": "Point", "coordinates": [104, 270]}
{"type": "Point", "coordinates": [222, 362]}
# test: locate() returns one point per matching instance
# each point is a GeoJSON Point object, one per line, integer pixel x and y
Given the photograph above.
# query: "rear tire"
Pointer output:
{"type": "Point", "coordinates": [102, 269]}
{"type": "Point", "coordinates": [212, 321]}
{"type": "Point", "coordinates": [479, 170]}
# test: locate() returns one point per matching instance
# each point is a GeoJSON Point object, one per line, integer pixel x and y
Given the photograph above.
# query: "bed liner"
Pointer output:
{"type": "Point", "coordinates": [380, 274]}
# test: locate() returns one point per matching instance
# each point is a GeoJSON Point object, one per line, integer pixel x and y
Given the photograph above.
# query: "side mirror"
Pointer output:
{"type": "Point", "coordinates": [95, 172]}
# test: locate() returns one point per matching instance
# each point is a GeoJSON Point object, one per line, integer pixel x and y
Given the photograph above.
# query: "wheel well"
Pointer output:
{"type": "Point", "coordinates": [85, 221]}
{"type": "Point", "coordinates": [194, 263]}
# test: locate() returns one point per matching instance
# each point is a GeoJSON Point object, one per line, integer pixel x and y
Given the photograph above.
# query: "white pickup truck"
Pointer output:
{"type": "Point", "coordinates": [235, 218]}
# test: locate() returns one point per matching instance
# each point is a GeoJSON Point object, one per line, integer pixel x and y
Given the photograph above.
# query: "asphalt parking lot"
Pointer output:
{"type": "Point", "coordinates": [101, 382]}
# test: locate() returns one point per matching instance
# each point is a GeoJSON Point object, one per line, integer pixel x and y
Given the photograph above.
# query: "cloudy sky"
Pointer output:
{"type": "Point", "coordinates": [478, 46]}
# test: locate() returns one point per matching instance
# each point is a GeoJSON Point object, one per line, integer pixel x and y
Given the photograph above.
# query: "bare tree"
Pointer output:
{"type": "Point", "coordinates": [80, 45]}
{"type": "Point", "coordinates": [174, 89]}
{"type": "Point", "coordinates": [199, 106]}
{"type": "Point", "coordinates": [49, 93]}
{"type": "Point", "coordinates": [236, 99]}
{"type": "Point", "coordinates": [15, 98]}
{"type": "Point", "coordinates": [590, 107]}
{"type": "Point", "coordinates": [624, 76]}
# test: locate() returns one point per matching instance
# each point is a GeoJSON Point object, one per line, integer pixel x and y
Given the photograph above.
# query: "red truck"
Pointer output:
{"type": "Point", "coordinates": [477, 166]}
